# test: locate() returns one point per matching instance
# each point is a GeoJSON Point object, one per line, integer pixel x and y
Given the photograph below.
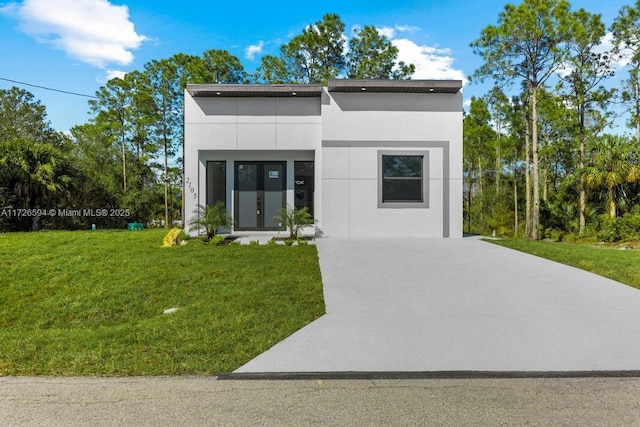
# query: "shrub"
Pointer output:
{"type": "Point", "coordinates": [554, 234]}
{"type": "Point", "coordinates": [211, 219]}
{"type": "Point", "coordinates": [293, 220]}
{"type": "Point", "coordinates": [619, 228]}
{"type": "Point", "coordinates": [217, 240]}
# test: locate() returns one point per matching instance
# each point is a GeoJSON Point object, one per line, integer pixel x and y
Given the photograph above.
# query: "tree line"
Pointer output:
{"type": "Point", "coordinates": [129, 155]}
{"type": "Point", "coordinates": [540, 163]}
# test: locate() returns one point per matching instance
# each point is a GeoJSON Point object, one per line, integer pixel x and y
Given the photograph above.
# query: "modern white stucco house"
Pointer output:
{"type": "Point", "coordinates": [369, 158]}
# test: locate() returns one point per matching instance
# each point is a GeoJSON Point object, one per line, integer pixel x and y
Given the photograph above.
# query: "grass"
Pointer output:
{"type": "Point", "coordinates": [91, 303]}
{"type": "Point", "coordinates": [614, 263]}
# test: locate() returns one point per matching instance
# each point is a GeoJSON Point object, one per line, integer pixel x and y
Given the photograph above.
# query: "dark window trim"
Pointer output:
{"type": "Point", "coordinates": [223, 184]}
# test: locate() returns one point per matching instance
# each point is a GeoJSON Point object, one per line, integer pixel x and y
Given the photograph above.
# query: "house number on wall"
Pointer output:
{"type": "Point", "coordinates": [191, 188]}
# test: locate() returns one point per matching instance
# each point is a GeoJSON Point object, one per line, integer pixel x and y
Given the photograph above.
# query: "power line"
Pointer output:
{"type": "Point", "coordinates": [49, 88]}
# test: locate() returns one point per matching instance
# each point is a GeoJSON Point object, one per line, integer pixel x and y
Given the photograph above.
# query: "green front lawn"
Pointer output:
{"type": "Point", "coordinates": [91, 303]}
{"type": "Point", "coordinates": [622, 265]}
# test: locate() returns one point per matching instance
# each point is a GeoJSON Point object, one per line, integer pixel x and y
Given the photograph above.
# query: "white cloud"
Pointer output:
{"type": "Point", "coordinates": [253, 50]}
{"type": "Point", "coordinates": [431, 62]}
{"type": "Point", "coordinates": [92, 31]}
{"type": "Point", "coordinates": [622, 59]}
{"type": "Point", "coordinates": [565, 70]}
{"type": "Point", "coordinates": [112, 74]}
{"type": "Point", "coordinates": [388, 32]}
{"type": "Point", "coordinates": [407, 28]}
{"type": "Point", "coordinates": [345, 43]}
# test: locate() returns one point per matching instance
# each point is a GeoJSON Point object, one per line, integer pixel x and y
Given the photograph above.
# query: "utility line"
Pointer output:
{"type": "Point", "coordinates": [49, 88]}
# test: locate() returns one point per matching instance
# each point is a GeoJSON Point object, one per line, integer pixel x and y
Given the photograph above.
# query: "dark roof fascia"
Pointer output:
{"type": "Point", "coordinates": [254, 90]}
{"type": "Point", "coordinates": [394, 86]}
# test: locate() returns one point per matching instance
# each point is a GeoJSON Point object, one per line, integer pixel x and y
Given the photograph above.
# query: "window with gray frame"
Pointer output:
{"type": "Point", "coordinates": [403, 179]}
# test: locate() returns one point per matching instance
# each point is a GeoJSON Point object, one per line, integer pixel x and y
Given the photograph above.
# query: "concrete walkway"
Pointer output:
{"type": "Point", "coordinates": [458, 305]}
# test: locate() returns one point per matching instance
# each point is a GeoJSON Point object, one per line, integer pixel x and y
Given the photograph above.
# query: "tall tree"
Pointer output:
{"type": "Point", "coordinates": [498, 106]}
{"type": "Point", "coordinates": [166, 92]}
{"type": "Point", "coordinates": [315, 56]}
{"type": "Point", "coordinates": [518, 136]}
{"type": "Point", "coordinates": [113, 106]}
{"type": "Point", "coordinates": [372, 56]}
{"type": "Point", "coordinates": [584, 90]}
{"type": "Point", "coordinates": [528, 45]}
{"type": "Point", "coordinates": [217, 66]}
{"type": "Point", "coordinates": [273, 70]}
{"type": "Point", "coordinates": [626, 36]}
{"type": "Point", "coordinates": [556, 148]}
{"type": "Point", "coordinates": [99, 162]}
{"type": "Point", "coordinates": [478, 135]}
{"type": "Point", "coordinates": [22, 116]}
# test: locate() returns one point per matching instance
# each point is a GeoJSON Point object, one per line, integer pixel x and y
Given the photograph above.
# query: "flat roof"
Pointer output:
{"type": "Point", "coordinates": [254, 90]}
{"type": "Point", "coordinates": [395, 86]}
{"type": "Point", "coordinates": [315, 90]}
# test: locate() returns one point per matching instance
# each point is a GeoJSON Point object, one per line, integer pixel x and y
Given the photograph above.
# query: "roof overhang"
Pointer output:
{"type": "Point", "coordinates": [254, 90]}
{"type": "Point", "coordinates": [315, 90]}
{"type": "Point", "coordinates": [395, 86]}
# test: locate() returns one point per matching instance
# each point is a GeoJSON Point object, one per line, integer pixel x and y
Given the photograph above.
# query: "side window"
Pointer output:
{"type": "Point", "coordinates": [403, 179]}
{"type": "Point", "coordinates": [216, 182]}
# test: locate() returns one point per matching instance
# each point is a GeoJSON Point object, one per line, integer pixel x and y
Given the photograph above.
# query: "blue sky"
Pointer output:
{"type": "Point", "coordinates": [75, 45]}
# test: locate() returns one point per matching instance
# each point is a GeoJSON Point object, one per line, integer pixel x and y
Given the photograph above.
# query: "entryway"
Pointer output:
{"type": "Point", "coordinates": [260, 193]}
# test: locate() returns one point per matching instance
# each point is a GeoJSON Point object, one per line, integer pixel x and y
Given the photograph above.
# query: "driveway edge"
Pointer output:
{"type": "Point", "coordinates": [407, 375]}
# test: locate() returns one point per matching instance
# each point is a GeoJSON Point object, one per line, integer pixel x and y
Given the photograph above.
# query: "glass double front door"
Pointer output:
{"type": "Point", "coordinates": [260, 193]}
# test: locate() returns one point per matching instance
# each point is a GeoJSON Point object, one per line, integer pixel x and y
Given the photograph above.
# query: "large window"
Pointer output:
{"type": "Point", "coordinates": [403, 179]}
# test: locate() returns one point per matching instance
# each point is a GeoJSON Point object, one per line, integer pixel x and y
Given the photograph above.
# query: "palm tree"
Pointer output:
{"type": "Point", "coordinates": [211, 219]}
{"type": "Point", "coordinates": [293, 220]}
{"type": "Point", "coordinates": [614, 161]}
{"type": "Point", "coordinates": [34, 170]}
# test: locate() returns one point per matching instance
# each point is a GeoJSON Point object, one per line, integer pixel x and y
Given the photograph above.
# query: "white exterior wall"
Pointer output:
{"type": "Point", "coordinates": [355, 127]}
{"type": "Point", "coordinates": [343, 133]}
{"type": "Point", "coordinates": [251, 129]}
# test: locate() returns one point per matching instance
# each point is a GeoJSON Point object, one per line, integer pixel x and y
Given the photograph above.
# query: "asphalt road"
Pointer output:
{"type": "Point", "coordinates": [204, 401]}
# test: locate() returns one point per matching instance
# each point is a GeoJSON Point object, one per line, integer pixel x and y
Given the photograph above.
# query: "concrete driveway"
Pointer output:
{"type": "Point", "coordinates": [425, 305]}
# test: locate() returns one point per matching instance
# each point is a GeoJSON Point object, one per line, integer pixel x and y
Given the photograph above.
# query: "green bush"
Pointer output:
{"type": "Point", "coordinates": [211, 219]}
{"type": "Point", "coordinates": [620, 228]}
{"type": "Point", "coordinates": [217, 240]}
{"type": "Point", "coordinates": [555, 234]}
{"type": "Point", "coordinates": [293, 219]}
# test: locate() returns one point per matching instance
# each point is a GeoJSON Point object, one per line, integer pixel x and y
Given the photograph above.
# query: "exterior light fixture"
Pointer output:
{"type": "Point", "coordinates": [363, 89]}
{"type": "Point", "coordinates": [218, 93]}
{"type": "Point", "coordinates": [293, 93]}
{"type": "Point", "coordinates": [431, 89]}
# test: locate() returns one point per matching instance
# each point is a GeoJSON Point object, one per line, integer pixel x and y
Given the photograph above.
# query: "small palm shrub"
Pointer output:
{"type": "Point", "coordinates": [293, 220]}
{"type": "Point", "coordinates": [211, 219]}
